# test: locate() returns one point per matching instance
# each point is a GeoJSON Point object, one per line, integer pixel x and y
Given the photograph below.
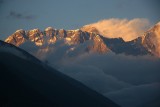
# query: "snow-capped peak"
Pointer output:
{"type": "Point", "coordinates": [35, 30]}
{"type": "Point", "coordinates": [158, 23]}
{"type": "Point", "coordinates": [20, 30]}
{"type": "Point", "coordinates": [152, 40]}
{"type": "Point", "coordinates": [49, 28]}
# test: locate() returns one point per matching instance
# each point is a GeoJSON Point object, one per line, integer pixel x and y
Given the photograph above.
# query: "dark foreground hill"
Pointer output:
{"type": "Point", "coordinates": [27, 82]}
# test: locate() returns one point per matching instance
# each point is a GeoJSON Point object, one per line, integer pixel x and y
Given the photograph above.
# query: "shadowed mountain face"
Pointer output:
{"type": "Point", "coordinates": [146, 44]}
{"type": "Point", "coordinates": [25, 81]}
{"type": "Point", "coordinates": [134, 47]}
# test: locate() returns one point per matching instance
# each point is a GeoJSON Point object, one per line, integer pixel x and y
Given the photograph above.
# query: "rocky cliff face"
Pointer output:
{"type": "Point", "coordinates": [51, 36]}
{"type": "Point", "coordinates": [148, 43]}
{"type": "Point", "coordinates": [17, 38]}
{"type": "Point", "coordinates": [151, 40]}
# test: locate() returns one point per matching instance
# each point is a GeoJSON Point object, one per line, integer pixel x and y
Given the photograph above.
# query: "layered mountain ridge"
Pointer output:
{"type": "Point", "coordinates": [51, 36]}
{"type": "Point", "coordinates": [148, 43]}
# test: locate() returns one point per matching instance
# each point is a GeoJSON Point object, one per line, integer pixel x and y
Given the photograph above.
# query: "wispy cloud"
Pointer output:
{"type": "Point", "coordinates": [16, 15]}
{"type": "Point", "coordinates": [132, 96]}
{"type": "Point", "coordinates": [127, 29]}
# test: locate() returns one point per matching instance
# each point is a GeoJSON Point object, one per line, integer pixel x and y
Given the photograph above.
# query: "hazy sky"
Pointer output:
{"type": "Point", "coordinates": [70, 14]}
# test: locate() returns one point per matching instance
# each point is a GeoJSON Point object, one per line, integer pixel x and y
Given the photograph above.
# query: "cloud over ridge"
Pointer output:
{"type": "Point", "coordinates": [127, 29]}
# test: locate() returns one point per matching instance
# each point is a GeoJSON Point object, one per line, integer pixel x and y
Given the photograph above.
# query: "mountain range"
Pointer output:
{"type": "Point", "coordinates": [148, 43]}
{"type": "Point", "coordinates": [26, 76]}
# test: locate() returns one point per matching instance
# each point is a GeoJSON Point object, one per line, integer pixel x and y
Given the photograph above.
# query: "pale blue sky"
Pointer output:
{"type": "Point", "coordinates": [70, 14]}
